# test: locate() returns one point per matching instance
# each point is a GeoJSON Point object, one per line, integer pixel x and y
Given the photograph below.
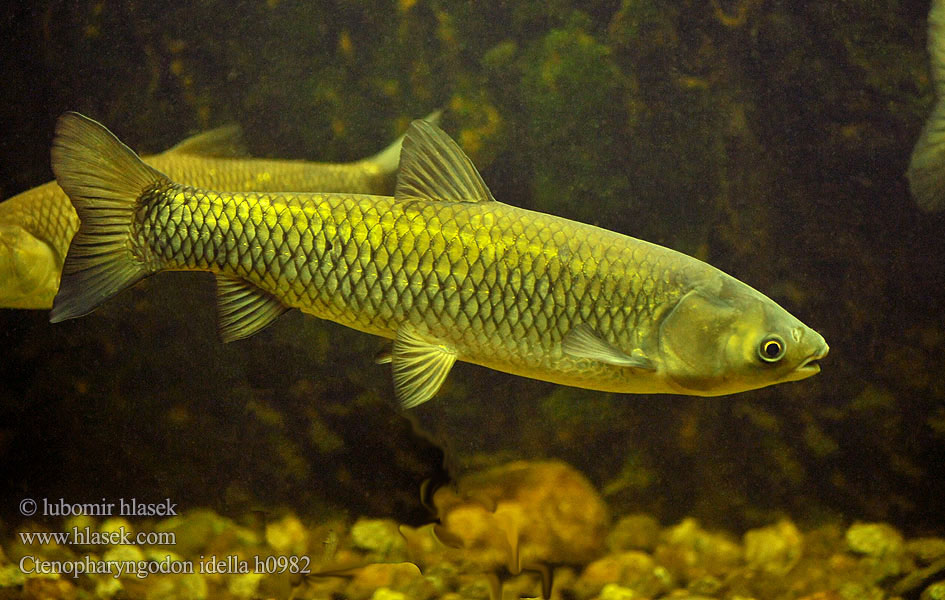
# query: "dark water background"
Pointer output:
{"type": "Point", "coordinates": [766, 138]}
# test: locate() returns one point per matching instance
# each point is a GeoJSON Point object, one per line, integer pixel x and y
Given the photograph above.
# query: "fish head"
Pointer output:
{"type": "Point", "coordinates": [727, 337]}
{"type": "Point", "coordinates": [29, 269]}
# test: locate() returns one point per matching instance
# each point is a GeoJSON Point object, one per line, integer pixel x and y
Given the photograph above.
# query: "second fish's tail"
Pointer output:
{"type": "Point", "coordinates": [926, 171]}
{"type": "Point", "coordinates": [106, 182]}
{"type": "Point", "coordinates": [388, 159]}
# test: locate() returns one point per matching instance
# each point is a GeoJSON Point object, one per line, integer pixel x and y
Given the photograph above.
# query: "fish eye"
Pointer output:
{"type": "Point", "coordinates": [771, 349]}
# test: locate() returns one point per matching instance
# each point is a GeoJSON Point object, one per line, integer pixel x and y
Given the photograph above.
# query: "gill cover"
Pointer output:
{"type": "Point", "coordinates": [693, 337]}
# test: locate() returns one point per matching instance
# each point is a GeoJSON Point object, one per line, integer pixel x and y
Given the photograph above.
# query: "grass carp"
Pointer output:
{"type": "Point", "coordinates": [441, 268]}
{"type": "Point", "coordinates": [37, 225]}
{"type": "Point", "coordinates": [926, 172]}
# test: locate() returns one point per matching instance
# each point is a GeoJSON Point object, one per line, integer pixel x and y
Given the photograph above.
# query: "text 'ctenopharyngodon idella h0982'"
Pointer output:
{"type": "Point", "coordinates": [441, 268]}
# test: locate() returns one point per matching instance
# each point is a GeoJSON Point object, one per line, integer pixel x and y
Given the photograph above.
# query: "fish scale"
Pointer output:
{"type": "Point", "coordinates": [370, 267]}
{"type": "Point", "coordinates": [43, 220]}
{"type": "Point", "coordinates": [441, 268]}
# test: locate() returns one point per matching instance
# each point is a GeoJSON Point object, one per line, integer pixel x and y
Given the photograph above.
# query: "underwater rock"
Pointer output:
{"type": "Point", "coordinates": [519, 515]}
{"type": "Point", "coordinates": [393, 577]}
{"type": "Point", "coordinates": [380, 537]}
{"type": "Point", "coordinates": [178, 587]}
{"type": "Point", "coordinates": [633, 571]}
{"type": "Point", "coordinates": [858, 590]}
{"type": "Point", "coordinates": [612, 591]}
{"type": "Point", "coordinates": [244, 585]}
{"type": "Point", "coordinates": [42, 588]}
{"type": "Point", "coordinates": [122, 554]}
{"type": "Point", "coordinates": [926, 550]}
{"type": "Point", "coordinates": [705, 586]}
{"type": "Point", "coordinates": [936, 591]}
{"type": "Point", "coordinates": [194, 530]}
{"type": "Point", "coordinates": [386, 594]}
{"type": "Point", "coordinates": [114, 524]}
{"type": "Point", "coordinates": [690, 552]}
{"type": "Point", "coordinates": [287, 535]}
{"type": "Point", "coordinates": [874, 539]}
{"type": "Point", "coordinates": [108, 587]}
{"type": "Point", "coordinates": [920, 577]}
{"type": "Point", "coordinates": [11, 576]}
{"type": "Point", "coordinates": [466, 556]}
{"type": "Point", "coordinates": [634, 532]}
{"type": "Point", "coordinates": [882, 546]}
{"type": "Point", "coordinates": [775, 549]}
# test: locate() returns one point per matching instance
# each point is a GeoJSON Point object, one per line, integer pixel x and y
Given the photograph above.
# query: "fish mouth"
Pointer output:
{"type": "Point", "coordinates": [811, 366]}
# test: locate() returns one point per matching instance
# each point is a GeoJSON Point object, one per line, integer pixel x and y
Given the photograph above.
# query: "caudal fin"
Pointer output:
{"type": "Point", "coordinates": [104, 180]}
{"type": "Point", "coordinates": [926, 171]}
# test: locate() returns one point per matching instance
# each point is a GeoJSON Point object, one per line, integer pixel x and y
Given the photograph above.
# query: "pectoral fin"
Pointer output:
{"type": "Point", "coordinates": [420, 366]}
{"type": "Point", "coordinates": [584, 342]}
{"type": "Point", "coordinates": [244, 308]}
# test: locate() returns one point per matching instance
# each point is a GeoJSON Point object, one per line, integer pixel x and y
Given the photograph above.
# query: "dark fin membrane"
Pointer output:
{"type": "Point", "coordinates": [434, 167]}
{"type": "Point", "coordinates": [419, 365]}
{"type": "Point", "coordinates": [244, 308]}
{"type": "Point", "coordinates": [105, 181]}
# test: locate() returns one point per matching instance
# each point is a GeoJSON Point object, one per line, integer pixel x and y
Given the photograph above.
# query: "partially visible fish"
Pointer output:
{"type": "Point", "coordinates": [37, 225]}
{"type": "Point", "coordinates": [441, 268]}
{"type": "Point", "coordinates": [926, 172]}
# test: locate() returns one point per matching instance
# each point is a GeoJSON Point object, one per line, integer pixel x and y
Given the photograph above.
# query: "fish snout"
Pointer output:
{"type": "Point", "coordinates": [817, 349]}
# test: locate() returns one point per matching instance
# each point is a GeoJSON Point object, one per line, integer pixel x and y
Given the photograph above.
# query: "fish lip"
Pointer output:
{"type": "Point", "coordinates": [810, 365]}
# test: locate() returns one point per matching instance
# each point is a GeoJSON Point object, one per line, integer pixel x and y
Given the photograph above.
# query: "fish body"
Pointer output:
{"type": "Point", "coordinates": [926, 172]}
{"type": "Point", "coordinates": [37, 225]}
{"type": "Point", "coordinates": [35, 229]}
{"type": "Point", "coordinates": [441, 268]}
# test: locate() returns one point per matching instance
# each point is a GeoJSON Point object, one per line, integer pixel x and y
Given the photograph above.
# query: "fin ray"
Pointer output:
{"type": "Point", "coordinates": [105, 180]}
{"type": "Point", "coordinates": [584, 342]}
{"type": "Point", "coordinates": [434, 167]}
{"type": "Point", "coordinates": [244, 309]}
{"type": "Point", "coordinates": [419, 366]}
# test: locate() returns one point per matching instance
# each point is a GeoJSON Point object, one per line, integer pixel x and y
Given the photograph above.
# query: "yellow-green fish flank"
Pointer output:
{"type": "Point", "coordinates": [441, 268]}
{"type": "Point", "coordinates": [926, 172]}
{"type": "Point", "coordinates": [37, 225]}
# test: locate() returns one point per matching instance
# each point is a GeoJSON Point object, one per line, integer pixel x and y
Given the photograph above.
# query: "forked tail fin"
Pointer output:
{"type": "Point", "coordinates": [105, 181]}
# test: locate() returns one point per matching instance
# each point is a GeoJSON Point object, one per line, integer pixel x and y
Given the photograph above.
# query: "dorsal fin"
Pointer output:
{"type": "Point", "coordinates": [388, 159]}
{"type": "Point", "coordinates": [222, 142]}
{"type": "Point", "coordinates": [434, 167]}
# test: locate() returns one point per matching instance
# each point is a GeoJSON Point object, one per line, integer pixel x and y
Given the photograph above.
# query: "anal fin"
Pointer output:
{"type": "Point", "coordinates": [244, 309]}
